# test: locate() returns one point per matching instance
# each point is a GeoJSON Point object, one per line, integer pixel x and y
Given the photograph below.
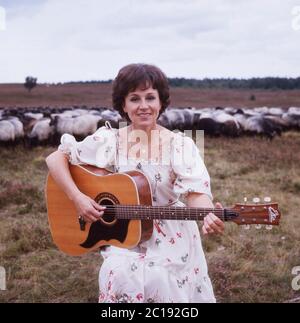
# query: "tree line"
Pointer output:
{"type": "Point", "coordinates": [264, 83]}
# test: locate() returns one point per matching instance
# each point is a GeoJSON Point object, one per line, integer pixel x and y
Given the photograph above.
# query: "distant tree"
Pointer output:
{"type": "Point", "coordinates": [252, 97]}
{"type": "Point", "coordinates": [30, 83]}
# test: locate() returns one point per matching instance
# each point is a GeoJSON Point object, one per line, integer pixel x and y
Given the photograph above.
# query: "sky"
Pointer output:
{"type": "Point", "coordinates": [82, 40]}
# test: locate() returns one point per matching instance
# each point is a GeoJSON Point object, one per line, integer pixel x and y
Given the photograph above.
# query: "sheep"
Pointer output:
{"type": "Point", "coordinates": [18, 126]}
{"type": "Point", "coordinates": [188, 115]}
{"type": "Point", "coordinates": [241, 118]}
{"type": "Point", "coordinates": [208, 124]}
{"type": "Point", "coordinates": [41, 133]}
{"type": "Point", "coordinates": [230, 110]}
{"type": "Point", "coordinates": [228, 124]}
{"type": "Point", "coordinates": [279, 123]}
{"type": "Point", "coordinates": [251, 113]}
{"type": "Point", "coordinates": [262, 126]}
{"type": "Point", "coordinates": [175, 119]}
{"type": "Point", "coordinates": [112, 116]}
{"type": "Point", "coordinates": [275, 111]}
{"type": "Point", "coordinates": [163, 120]}
{"type": "Point", "coordinates": [80, 126]}
{"type": "Point", "coordinates": [293, 114]}
{"type": "Point", "coordinates": [7, 132]}
{"type": "Point", "coordinates": [36, 116]}
{"type": "Point", "coordinates": [41, 124]}
{"type": "Point", "coordinates": [261, 110]}
{"type": "Point", "coordinates": [85, 125]}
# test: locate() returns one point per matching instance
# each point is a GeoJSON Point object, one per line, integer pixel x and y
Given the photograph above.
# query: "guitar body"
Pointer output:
{"type": "Point", "coordinates": [76, 238]}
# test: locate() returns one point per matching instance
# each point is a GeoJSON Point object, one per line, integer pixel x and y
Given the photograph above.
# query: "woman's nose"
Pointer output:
{"type": "Point", "coordinates": [144, 104]}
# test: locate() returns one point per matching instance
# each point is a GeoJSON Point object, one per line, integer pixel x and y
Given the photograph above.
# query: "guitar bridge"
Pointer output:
{"type": "Point", "coordinates": [82, 223]}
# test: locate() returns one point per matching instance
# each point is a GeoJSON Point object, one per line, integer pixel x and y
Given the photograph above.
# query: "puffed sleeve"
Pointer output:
{"type": "Point", "coordinates": [189, 168]}
{"type": "Point", "coordinates": [98, 149]}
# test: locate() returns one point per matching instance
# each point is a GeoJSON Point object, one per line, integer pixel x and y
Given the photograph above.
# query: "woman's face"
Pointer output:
{"type": "Point", "coordinates": [142, 107]}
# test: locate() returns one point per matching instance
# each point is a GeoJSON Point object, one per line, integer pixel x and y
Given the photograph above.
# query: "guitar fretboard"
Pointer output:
{"type": "Point", "coordinates": [144, 212]}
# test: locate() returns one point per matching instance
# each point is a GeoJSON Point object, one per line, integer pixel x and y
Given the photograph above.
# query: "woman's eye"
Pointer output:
{"type": "Point", "coordinates": [148, 98]}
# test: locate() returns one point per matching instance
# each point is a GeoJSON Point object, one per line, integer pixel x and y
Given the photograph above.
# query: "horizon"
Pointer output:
{"type": "Point", "coordinates": [170, 78]}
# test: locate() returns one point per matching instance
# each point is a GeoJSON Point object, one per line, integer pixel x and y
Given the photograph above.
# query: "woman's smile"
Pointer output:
{"type": "Point", "coordinates": [144, 115]}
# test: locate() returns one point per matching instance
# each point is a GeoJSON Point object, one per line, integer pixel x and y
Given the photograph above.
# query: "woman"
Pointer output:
{"type": "Point", "coordinates": [170, 266]}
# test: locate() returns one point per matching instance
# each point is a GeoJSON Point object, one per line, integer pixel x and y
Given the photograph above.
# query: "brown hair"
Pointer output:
{"type": "Point", "coordinates": [135, 76]}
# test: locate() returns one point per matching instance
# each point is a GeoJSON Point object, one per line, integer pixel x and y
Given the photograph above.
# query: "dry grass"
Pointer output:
{"type": "Point", "coordinates": [12, 95]}
{"type": "Point", "coordinates": [245, 266]}
{"type": "Point", "coordinates": [256, 265]}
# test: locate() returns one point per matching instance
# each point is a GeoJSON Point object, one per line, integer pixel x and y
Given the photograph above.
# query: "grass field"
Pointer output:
{"type": "Point", "coordinates": [65, 95]}
{"type": "Point", "coordinates": [245, 266]}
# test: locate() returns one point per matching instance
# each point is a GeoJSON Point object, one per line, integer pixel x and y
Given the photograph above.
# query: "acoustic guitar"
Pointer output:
{"type": "Point", "coordinates": [129, 214]}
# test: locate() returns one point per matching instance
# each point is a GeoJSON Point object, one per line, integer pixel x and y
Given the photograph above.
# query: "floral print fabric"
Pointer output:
{"type": "Point", "coordinates": [171, 266]}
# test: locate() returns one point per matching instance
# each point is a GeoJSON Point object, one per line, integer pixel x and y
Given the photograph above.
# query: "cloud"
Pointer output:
{"type": "Point", "coordinates": [60, 40]}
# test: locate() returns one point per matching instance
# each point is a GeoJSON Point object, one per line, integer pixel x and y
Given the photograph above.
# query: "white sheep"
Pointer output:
{"type": "Point", "coordinates": [42, 131]}
{"type": "Point", "coordinates": [7, 131]}
{"type": "Point", "coordinates": [18, 126]}
{"type": "Point", "coordinates": [36, 116]}
{"type": "Point", "coordinates": [85, 125]}
{"type": "Point", "coordinates": [80, 126]}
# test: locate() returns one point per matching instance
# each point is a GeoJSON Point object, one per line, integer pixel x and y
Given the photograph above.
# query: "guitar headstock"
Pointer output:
{"type": "Point", "coordinates": [257, 214]}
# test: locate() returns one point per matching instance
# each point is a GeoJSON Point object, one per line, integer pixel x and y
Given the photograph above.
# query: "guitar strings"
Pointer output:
{"type": "Point", "coordinates": [162, 212]}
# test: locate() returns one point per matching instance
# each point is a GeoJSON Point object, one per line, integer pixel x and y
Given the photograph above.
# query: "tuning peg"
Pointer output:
{"type": "Point", "coordinates": [246, 227]}
{"type": "Point", "coordinates": [267, 199]}
{"type": "Point", "coordinates": [269, 227]}
{"type": "Point", "coordinates": [258, 226]}
{"type": "Point", "coordinates": [256, 200]}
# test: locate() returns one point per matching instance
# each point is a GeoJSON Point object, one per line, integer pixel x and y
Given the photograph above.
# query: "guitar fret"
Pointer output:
{"type": "Point", "coordinates": [167, 212]}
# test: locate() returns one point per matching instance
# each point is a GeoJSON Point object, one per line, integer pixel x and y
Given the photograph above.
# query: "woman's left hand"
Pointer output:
{"type": "Point", "coordinates": [212, 224]}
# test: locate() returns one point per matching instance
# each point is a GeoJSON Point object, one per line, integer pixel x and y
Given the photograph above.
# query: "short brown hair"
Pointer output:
{"type": "Point", "coordinates": [135, 76]}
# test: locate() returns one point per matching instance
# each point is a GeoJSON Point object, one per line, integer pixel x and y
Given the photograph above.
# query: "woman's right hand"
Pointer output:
{"type": "Point", "coordinates": [90, 210]}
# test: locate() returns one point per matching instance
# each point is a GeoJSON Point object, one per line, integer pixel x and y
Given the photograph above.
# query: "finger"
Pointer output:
{"type": "Point", "coordinates": [207, 227]}
{"type": "Point", "coordinates": [204, 230]}
{"type": "Point", "coordinates": [88, 218]}
{"type": "Point", "coordinates": [96, 214]}
{"type": "Point", "coordinates": [98, 206]}
{"type": "Point", "coordinates": [92, 214]}
{"type": "Point", "coordinates": [212, 220]}
{"type": "Point", "coordinates": [214, 223]}
{"type": "Point", "coordinates": [215, 219]}
{"type": "Point", "coordinates": [219, 205]}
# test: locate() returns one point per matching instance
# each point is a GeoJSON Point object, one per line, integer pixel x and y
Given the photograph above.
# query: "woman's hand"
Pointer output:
{"type": "Point", "coordinates": [212, 224]}
{"type": "Point", "coordinates": [90, 210]}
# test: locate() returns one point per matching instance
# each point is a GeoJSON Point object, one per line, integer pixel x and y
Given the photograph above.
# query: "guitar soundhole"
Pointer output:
{"type": "Point", "coordinates": [108, 217]}
{"type": "Point", "coordinates": [107, 199]}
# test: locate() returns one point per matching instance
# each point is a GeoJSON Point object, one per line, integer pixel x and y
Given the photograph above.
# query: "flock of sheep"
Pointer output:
{"type": "Point", "coordinates": [38, 126]}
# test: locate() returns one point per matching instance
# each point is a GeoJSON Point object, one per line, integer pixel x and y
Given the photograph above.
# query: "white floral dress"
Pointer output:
{"type": "Point", "coordinates": [171, 266]}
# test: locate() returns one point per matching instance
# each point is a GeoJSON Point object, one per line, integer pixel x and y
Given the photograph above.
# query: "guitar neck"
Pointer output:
{"type": "Point", "coordinates": [144, 212]}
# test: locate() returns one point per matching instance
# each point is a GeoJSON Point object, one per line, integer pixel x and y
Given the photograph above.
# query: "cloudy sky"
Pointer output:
{"type": "Point", "coordinates": [71, 40]}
